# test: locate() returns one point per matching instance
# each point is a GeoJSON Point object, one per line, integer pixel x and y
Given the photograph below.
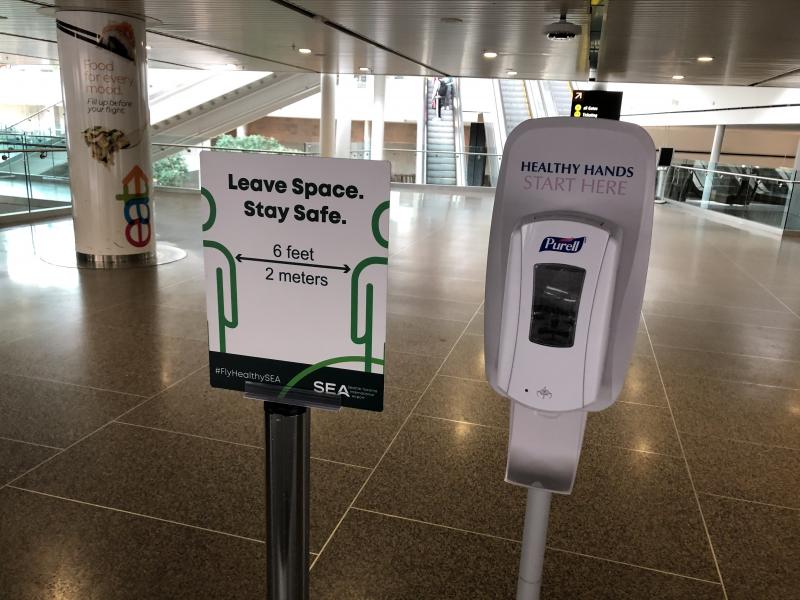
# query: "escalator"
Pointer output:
{"type": "Point", "coordinates": [561, 93]}
{"type": "Point", "coordinates": [514, 102]}
{"type": "Point", "coordinates": [207, 108]}
{"type": "Point", "coordinates": [227, 111]}
{"type": "Point", "coordinates": [440, 140]}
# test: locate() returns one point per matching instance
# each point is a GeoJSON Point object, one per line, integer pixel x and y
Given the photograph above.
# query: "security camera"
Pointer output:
{"type": "Point", "coordinates": [562, 30]}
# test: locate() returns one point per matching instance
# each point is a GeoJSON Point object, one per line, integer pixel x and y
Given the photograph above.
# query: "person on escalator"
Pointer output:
{"type": "Point", "coordinates": [441, 93]}
{"type": "Point", "coordinates": [450, 92]}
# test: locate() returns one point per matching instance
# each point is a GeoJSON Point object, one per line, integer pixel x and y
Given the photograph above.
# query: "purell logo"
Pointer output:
{"type": "Point", "coordinates": [559, 244]}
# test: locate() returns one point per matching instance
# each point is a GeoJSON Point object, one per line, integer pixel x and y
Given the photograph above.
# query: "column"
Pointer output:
{"type": "Point", "coordinates": [327, 119]}
{"type": "Point", "coordinates": [422, 117]}
{"type": "Point", "coordinates": [378, 103]}
{"type": "Point", "coordinates": [344, 116]}
{"type": "Point", "coordinates": [716, 150]}
{"type": "Point", "coordinates": [104, 79]}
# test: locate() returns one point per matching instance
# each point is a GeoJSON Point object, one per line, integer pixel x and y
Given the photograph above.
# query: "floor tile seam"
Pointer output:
{"type": "Point", "coordinates": [470, 304]}
{"type": "Point", "coordinates": [731, 323]}
{"type": "Point", "coordinates": [722, 306]}
{"type": "Point", "coordinates": [416, 274]}
{"type": "Point", "coordinates": [637, 450]}
{"type": "Point", "coordinates": [135, 514]}
{"type": "Point", "coordinates": [91, 433]}
{"type": "Point", "coordinates": [71, 384]}
{"type": "Point", "coordinates": [767, 310]}
{"type": "Point", "coordinates": [423, 415]}
{"type": "Point", "coordinates": [199, 277]}
{"type": "Point", "coordinates": [462, 378]}
{"type": "Point", "coordinates": [687, 467]}
{"type": "Point", "coordinates": [394, 438]}
{"type": "Point", "coordinates": [449, 299]}
{"type": "Point", "coordinates": [758, 283]}
{"type": "Point", "coordinates": [125, 328]}
{"type": "Point", "coordinates": [633, 565]}
{"type": "Point", "coordinates": [661, 406]}
{"type": "Point", "coordinates": [430, 234]}
{"type": "Point", "coordinates": [749, 501]}
{"type": "Point", "coordinates": [110, 308]}
{"type": "Point", "coordinates": [438, 525]}
{"type": "Point", "coordinates": [737, 381]}
{"type": "Point", "coordinates": [400, 388]}
{"type": "Point", "coordinates": [169, 387]}
{"type": "Point", "coordinates": [696, 349]}
{"type": "Point", "coordinates": [519, 542]}
{"type": "Point", "coordinates": [147, 304]}
{"type": "Point", "coordinates": [37, 444]}
{"type": "Point", "coordinates": [740, 441]}
{"type": "Point", "coordinates": [505, 429]}
{"type": "Point", "coordinates": [344, 464]}
{"type": "Point", "coordinates": [186, 434]}
{"type": "Point", "coordinates": [40, 329]}
{"type": "Point", "coordinates": [396, 314]}
{"type": "Point", "coordinates": [444, 357]}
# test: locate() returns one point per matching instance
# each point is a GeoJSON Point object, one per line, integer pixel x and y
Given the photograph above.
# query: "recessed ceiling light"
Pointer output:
{"type": "Point", "coordinates": [705, 58]}
{"type": "Point", "coordinates": [511, 73]}
{"type": "Point", "coordinates": [304, 50]}
{"type": "Point", "coordinates": [677, 76]}
{"type": "Point", "coordinates": [490, 54]}
{"type": "Point", "coordinates": [364, 69]}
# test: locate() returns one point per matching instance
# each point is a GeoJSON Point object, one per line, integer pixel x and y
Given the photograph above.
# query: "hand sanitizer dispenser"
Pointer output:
{"type": "Point", "coordinates": [556, 312]}
{"type": "Point", "coordinates": [566, 269]}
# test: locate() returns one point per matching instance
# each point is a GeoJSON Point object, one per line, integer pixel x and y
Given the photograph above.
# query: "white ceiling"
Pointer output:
{"type": "Point", "coordinates": [753, 41]}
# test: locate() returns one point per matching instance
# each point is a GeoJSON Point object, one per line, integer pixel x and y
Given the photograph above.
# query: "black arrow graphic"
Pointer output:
{"type": "Point", "coordinates": [345, 268]}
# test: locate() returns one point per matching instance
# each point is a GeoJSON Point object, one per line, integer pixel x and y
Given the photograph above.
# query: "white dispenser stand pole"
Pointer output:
{"type": "Point", "coordinates": [534, 536]}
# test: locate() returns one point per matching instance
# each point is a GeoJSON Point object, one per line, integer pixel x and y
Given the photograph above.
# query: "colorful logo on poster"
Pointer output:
{"type": "Point", "coordinates": [136, 207]}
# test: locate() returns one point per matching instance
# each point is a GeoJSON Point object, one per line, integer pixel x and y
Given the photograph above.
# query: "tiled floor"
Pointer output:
{"type": "Point", "coordinates": [123, 475]}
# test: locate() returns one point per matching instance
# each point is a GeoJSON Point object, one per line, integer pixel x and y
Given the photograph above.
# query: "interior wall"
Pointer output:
{"type": "Point", "coordinates": [740, 146]}
{"type": "Point", "coordinates": [295, 132]}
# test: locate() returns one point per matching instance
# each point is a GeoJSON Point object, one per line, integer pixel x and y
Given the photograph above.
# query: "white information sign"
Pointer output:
{"type": "Point", "coordinates": [295, 252]}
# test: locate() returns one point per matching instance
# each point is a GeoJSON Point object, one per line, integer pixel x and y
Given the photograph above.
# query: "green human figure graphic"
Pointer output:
{"type": "Point", "coordinates": [361, 333]}
{"type": "Point", "coordinates": [223, 321]}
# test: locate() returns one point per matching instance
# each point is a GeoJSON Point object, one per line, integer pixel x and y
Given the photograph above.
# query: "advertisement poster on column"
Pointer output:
{"type": "Point", "coordinates": [295, 252]}
{"type": "Point", "coordinates": [103, 67]}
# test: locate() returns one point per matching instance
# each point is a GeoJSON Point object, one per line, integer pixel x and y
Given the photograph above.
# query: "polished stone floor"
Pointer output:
{"type": "Point", "coordinates": [124, 476]}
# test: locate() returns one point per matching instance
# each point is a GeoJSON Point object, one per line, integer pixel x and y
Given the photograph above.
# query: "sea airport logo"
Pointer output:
{"type": "Point", "coordinates": [562, 244]}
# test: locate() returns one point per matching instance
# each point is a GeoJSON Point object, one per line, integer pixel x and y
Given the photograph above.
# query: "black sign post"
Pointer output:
{"type": "Point", "coordinates": [596, 104]}
{"type": "Point", "coordinates": [287, 440]}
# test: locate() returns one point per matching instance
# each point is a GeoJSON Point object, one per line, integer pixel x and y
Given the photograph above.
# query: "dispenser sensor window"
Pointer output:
{"type": "Point", "coordinates": [556, 297]}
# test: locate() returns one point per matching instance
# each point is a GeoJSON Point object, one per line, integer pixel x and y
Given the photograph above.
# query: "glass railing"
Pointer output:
{"type": "Point", "coordinates": [760, 194]}
{"type": "Point", "coordinates": [34, 177]}
{"type": "Point", "coordinates": [46, 121]}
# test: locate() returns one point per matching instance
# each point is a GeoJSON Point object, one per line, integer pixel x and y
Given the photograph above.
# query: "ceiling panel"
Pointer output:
{"type": "Point", "coordinates": [27, 50]}
{"type": "Point", "coordinates": [645, 41]}
{"type": "Point", "coordinates": [652, 40]}
{"type": "Point", "coordinates": [451, 36]}
{"type": "Point", "coordinates": [256, 34]}
{"type": "Point", "coordinates": [791, 79]}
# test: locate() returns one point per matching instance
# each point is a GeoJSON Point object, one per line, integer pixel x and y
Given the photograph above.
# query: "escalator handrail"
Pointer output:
{"type": "Point", "coordinates": [38, 112]}
{"type": "Point", "coordinates": [730, 174]}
